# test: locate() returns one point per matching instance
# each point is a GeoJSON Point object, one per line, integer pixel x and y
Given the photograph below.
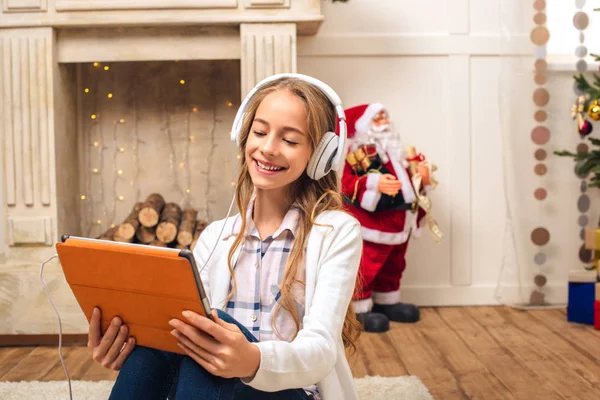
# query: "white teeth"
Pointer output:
{"type": "Point", "coordinates": [268, 168]}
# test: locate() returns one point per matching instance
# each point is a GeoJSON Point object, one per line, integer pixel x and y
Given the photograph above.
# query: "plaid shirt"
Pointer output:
{"type": "Point", "coordinates": [259, 288]}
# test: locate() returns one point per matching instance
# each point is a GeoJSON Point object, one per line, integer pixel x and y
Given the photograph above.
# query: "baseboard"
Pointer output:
{"type": "Point", "coordinates": [74, 339]}
{"type": "Point", "coordinates": [479, 295]}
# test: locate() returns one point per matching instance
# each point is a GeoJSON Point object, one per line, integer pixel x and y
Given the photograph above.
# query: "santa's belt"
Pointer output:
{"type": "Point", "coordinates": [412, 207]}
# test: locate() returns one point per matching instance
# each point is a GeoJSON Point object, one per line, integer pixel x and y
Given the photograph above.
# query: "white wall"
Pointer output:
{"type": "Point", "coordinates": [442, 68]}
{"type": "Point", "coordinates": [563, 35]}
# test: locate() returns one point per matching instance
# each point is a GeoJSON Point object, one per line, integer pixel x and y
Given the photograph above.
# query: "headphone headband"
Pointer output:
{"type": "Point", "coordinates": [325, 89]}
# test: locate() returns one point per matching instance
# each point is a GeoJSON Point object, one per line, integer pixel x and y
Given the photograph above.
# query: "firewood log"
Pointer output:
{"type": "Point", "coordinates": [145, 235]}
{"type": "Point", "coordinates": [170, 218]}
{"type": "Point", "coordinates": [151, 211]}
{"type": "Point", "coordinates": [109, 234]}
{"type": "Point", "coordinates": [185, 235]}
{"type": "Point", "coordinates": [126, 231]}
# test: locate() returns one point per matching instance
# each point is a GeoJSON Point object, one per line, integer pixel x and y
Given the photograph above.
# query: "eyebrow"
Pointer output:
{"type": "Point", "coordinates": [285, 128]}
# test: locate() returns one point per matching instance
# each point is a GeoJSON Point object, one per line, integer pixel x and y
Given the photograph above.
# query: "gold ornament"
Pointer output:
{"type": "Point", "coordinates": [594, 111]}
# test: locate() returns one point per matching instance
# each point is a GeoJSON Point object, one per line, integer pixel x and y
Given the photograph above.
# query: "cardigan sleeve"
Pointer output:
{"type": "Point", "coordinates": [312, 354]}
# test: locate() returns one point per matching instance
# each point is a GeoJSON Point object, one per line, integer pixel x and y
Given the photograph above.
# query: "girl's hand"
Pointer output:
{"type": "Point", "coordinates": [221, 348]}
{"type": "Point", "coordinates": [112, 349]}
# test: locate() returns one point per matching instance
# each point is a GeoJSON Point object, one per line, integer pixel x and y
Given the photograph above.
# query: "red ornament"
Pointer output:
{"type": "Point", "coordinates": [585, 128]}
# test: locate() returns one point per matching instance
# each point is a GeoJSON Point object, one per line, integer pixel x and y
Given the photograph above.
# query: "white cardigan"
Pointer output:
{"type": "Point", "coordinates": [317, 353]}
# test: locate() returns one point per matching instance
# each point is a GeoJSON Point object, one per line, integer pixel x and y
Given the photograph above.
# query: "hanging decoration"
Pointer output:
{"type": "Point", "coordinates": [540, 135]}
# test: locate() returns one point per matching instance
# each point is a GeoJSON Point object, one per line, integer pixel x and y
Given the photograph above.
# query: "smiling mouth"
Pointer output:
{"type": "Point", "coordinates": [266, 167]}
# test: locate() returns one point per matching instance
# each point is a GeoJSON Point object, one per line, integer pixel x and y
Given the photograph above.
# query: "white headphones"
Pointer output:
{"type": "Point", "coordinates": [328, 154]}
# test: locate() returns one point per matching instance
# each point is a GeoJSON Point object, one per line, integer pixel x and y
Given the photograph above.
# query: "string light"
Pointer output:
{"type": "Point", "coordinates": [238, 156]}
{"type": "Point", "coordinates": [232, 183]}
{"type": "Point", "coordinates": [187, 190]}
{"type": "Point", "coordinates": [106, 67]}
{"type": "Point", "coordinates": [99, 222]}
{"type": "Point", "coordinates": [95, 170]}
{"type": "Point", "coordinates": [83, 197]}
{"type": "Point", "coordinates": [121, 121]}
{"type": "Point", "coordinates": [121, 197]}
{"type": "Point", "coordinates": [96, 64]}
{"type": "Point", "coordinates": [86, 90]}
{"type": "Point", "coordinates": [182, 81]}
{"type": "Point", "coordinates": [93, 116]}
{"type": "Point", "coordinates": [122, 149]}
{"type": "Point", "coordinates": [120, 172]}
{"type": "Point", "coordinates": [110, 95]}
{"type": "Point", "coordinates": [96, 144]}
{"type": "Point", "coordinates": [112, 225]}
{"type": "Point", "coordinates": [191, 138]}
{"type": "Point", "coordinates": [195, 109]}
{"type": "Point", "coordinates": [229, 104]}
{"type": "Point", "coordinates": [181, 165]}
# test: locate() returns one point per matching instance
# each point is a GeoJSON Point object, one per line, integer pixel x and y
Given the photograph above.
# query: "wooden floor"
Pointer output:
{"type": "Point", "coordinates": [459, 353]}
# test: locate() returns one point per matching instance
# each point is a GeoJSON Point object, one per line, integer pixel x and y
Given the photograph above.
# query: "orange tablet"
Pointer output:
{"type": "Point", "coordinates": [145, 286]}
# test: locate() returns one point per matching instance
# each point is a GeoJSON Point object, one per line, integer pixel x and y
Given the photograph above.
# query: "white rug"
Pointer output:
{"type": "Point", "coordinates": [371, 388]}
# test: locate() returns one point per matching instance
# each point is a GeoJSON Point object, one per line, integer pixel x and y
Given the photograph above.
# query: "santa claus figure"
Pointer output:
{"type": "Point", "coordinates": [380, 190]}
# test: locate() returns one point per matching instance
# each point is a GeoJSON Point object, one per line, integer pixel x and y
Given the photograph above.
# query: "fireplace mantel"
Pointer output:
{"type": "Point", "coordinates": [306, 14]}
{"type": "Point", "coordinates": [39, 37]}
{"type": "Point", "coordinates": [41, 44]}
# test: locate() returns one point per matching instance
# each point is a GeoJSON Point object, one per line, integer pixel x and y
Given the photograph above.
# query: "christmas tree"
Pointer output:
{"type": "Point", "coordinates": [587, 106]}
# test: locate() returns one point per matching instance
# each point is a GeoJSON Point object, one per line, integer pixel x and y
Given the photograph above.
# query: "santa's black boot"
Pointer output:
{"type": "Point", "coordinates": [399, 312]}
{"type": "Point", "coordinates": [373, 322]}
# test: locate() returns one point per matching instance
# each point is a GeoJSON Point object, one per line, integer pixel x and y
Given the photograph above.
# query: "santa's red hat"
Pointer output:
{"type": "Point", "coordinates": [358, 118]}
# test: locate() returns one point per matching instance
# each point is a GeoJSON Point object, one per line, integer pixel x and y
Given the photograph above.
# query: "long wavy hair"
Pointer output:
{"type": "Point", "coordinates": [310, 196]}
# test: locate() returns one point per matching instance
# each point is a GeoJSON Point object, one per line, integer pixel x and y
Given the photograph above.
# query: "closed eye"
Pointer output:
{"type": "Point", "coordinates": [260, 134]}
{"type": "Point", "coordinates": [290, 142]}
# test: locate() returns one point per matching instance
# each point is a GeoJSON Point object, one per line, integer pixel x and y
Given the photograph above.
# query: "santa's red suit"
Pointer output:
{"type": "Point", "coordinates": [387, 222]}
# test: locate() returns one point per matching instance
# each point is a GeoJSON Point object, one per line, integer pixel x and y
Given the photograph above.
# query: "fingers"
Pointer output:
{"type": "Point", "coordinates": [206, 325]}
{"type": "Point", "coordinates": [94, 332]}
{"type": "Point", "coordinates": [196, 335]}
{"type": "Point", "coordinates": [203, 363]}
{"type": "Point", "coordinates": [226, 325]}
{"type": "Point", "coordinates": [118, 363]}
{"type": "Point", "coordinates": [116, 347]}
{"type": "Point", "coordinates": [107, 340]}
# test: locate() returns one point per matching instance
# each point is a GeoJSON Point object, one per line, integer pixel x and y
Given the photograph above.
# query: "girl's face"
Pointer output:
{"type": "Point", "coordinates": [278, 146]}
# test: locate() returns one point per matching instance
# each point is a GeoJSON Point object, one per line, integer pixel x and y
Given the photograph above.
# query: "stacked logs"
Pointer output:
{"type": "Point", "coordinates": [156, 223]}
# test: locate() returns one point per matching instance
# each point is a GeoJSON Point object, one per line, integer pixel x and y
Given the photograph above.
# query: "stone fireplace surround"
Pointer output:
{"type": "Point", "coordinates": [41, 41]}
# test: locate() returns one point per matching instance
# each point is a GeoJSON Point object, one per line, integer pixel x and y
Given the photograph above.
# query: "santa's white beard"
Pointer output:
{"type": "Point", "coordinates": [386, 141]}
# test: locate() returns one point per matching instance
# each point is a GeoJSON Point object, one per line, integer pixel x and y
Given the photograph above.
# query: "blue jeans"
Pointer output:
{"type": "Point", "coordinates": [155, 374]}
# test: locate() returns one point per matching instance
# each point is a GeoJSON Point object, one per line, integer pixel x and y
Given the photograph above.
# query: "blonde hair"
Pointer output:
{"type": "Point", "coordinates": [310, 196]}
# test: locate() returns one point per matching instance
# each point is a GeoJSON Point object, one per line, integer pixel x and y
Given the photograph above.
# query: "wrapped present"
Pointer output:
{"type": "Point", "coordinates": [592, 238]}
{"type": "Point", "coordinates": [361, 159]}
{"type": "Point", "coordinates": [582, 296]}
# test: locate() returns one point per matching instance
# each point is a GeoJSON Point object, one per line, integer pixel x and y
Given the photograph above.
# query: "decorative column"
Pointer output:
{"type": "Point", "coordinates": [267, 49]}
{"type": "Point", "coordinates": [27, 126]}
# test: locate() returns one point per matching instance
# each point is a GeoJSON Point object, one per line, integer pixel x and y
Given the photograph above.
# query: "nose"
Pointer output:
{"type": "Point", "coordinates": [269, 145]}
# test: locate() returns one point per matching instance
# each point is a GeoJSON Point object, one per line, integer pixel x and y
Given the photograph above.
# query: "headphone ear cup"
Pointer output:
{"type": "Point", "coordinates": [319, 164]}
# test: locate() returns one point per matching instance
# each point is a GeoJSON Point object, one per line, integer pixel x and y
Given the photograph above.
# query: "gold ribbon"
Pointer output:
{"type": "Point", "coordinates": [425, 203]}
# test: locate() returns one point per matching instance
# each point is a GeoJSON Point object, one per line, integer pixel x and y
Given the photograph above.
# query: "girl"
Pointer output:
{"type": "Point", "coordinates": [281, 276]}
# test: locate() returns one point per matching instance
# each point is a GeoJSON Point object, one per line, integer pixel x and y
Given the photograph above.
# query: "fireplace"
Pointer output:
{"type": "Point", "coordinates": [102, 103]}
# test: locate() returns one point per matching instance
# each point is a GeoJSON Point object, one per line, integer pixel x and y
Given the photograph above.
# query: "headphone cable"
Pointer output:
{"type": "Point", "coordinates": [59, 323]}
